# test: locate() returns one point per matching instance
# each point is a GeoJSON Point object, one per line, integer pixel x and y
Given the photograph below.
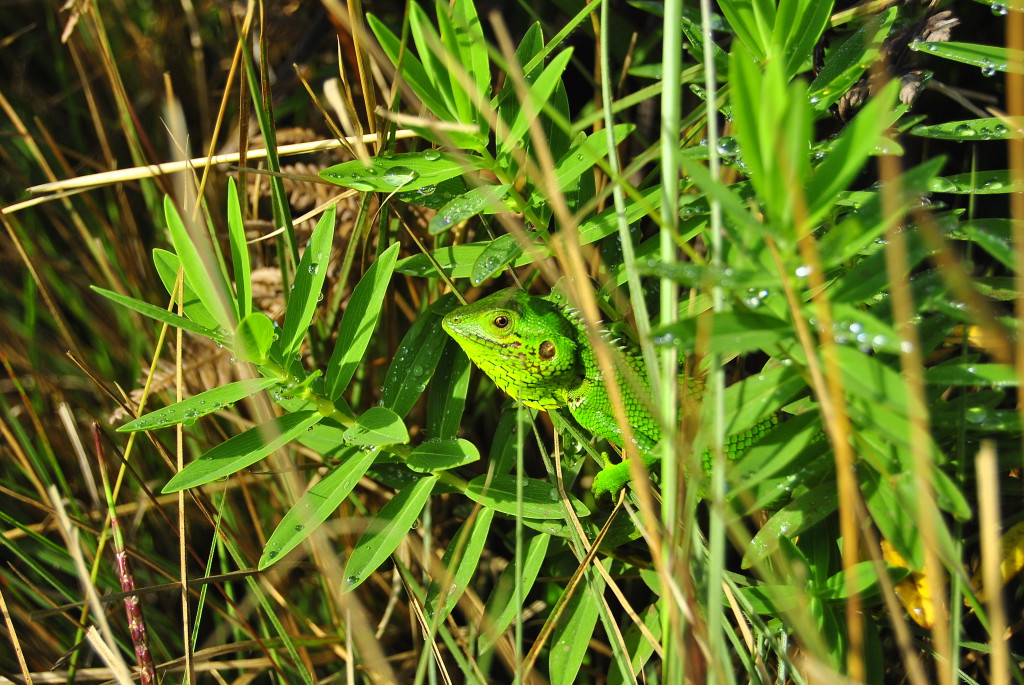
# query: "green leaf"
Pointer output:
{"type": "Point", "coordinates": [413, 71]}
{"type": "Point", "coordinates": [242, 450]}
{"type": "Point", "coordinates": [502, 607]}
{"type": "Point", "coordinates": [406, 171]}
{"type": "Point", "coordinates": [729, 332]}
{"type": "Point", "coordinates": [570, 640]}
{"type": "Point", "coordinates": [358, 322]}
{"type": "Point", "coordinates": [435, 196]}
{"type": "Point", "coordinates": [495, 257]}
{"type": "Point", "coordinates": [991, 128]}
{"type": "Point", "coordinates": [316, 505]}
{"type": "Point", "coordinates": [988, 375]}
{"type": "Point", "coordinates": [605, 223]}
{"type": "Point", "coordinates": [847, 155]}
{"type": "Point", "coordinates": [527, 52]}
{"type": "Point", "coordinates": [853, 326]}
{"type": "Point", "coordinates": [988, 58]}
{"type": "Point", "coordinates": [486, 199]}
{"type": "Point", "coordinates": [540, 499]}
{"type": "Point", "coordinates": [865, 582]}
{"type": "Point", "coordinates": [239, 253]}
{"type": "Point", "coordinates": [465, 49]}
{"type": "Point", "coordinates": [433, 54]}
{"type": "Point", "coordinates": [416, 358]}
{"type": "Point", "coordinates": [775, 453]}
{"type": "Point", "coordinates": [159, 313]}
{"type": "Point", "coordinates": [977, 183]}
{"type": "Point", "coordinates": [253, 338]}
{"type": "Point", "coordinates": [460, 561]}
{"type": "Point", "coordinates": [385, 531]}
{"type": "Point", "coordinates": [309, 280]}
{"type": "Point", "coordinates": [472, 46]}
{"type": "Point", "coordinates": [439, 455]}
{"type": "Point", "coordinates": [752, 21]}
{"type": "Point", "coordinates": [187, 411]}
{"type": "Point", "coordinates": [326, 437]}
{"type": "Point", "coordinates": [582, 157]}
{"type": "Point", "coordinates": [539, 92]}
{"type": "Point", "coordinates": [995, 236]}
{"type": "Point", "coordinates": [791, 520]}
{"type": "Point", "coordinates": [869, 276]}
{"type": "Point", "coordinates": [755, 397]}
{"type": "Point", "coordinates": [201, 270]}
{"type": "Point", "coordinates": [800, 24]}
{"type": "Point", "coordinates": [847, 63]}
{"type": "Point", "coordinates": [377, 426]}
{"type": "Point", "coordinates": [894, 513]}
{"type": "Point", "coordinates": [167, 266]}
{"type": "Point", "coordinates": [448, 392]}
{"type": "Point", "coordinates": [773, 128]}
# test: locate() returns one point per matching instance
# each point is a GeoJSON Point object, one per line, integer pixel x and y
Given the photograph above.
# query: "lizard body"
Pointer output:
{"type": "Point", "coordinates": [539, 353]}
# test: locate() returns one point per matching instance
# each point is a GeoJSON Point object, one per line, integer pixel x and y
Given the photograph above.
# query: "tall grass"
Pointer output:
{"type": "Point", "coordinates": [814, 211]}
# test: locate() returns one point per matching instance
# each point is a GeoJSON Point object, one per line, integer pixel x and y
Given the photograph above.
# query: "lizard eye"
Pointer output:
{"type": "Point", "coordinates": [546, 350]}
{"type": "Point", "coordinates": [501, 321]}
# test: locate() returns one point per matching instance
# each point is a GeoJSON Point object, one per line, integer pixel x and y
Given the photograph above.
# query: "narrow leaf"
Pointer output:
{"type": "Point", "coordinates": [495, 257]}
{"type": "Point", "coordinates": [242, 450]}
{"type": "Point", "coordinates": [201, 270]}
{"type": "Point", "coordinates": [377, 426]}
{"type": "Point", "coordinates": [309, 280]}
{"type": "Point", "coordinates": [481, 200]}
{"type": "Point", "coordinates": [791, 520]}
{"type": "Point", "coordinates": [501, 605]}
{"type": "Point", "coordinates": [540, 500]}
{"type": "Point", "coordinates": [438, 455]}
{"type": "Point", "coordinates": [460, 560]}
{"type": "Point", "coordinates": [187, 411]}
{"type": "Point", "coordinates": [167, 267]}
{"type": "Point", "coordinates": [359, 321]}
{"type": "Point", "coordinates": [316, 505]}
{"type": "Point", "coordinates": [253, 338]}
{"type": "Point", "coordinates": [158, 313]}
{"type": "Point", "coordinates": [405, 171]}
{"type": "Point", "coordinates": [416, 358]}
{"type": "Point", "coordinates": [239, 253]}
{"type": "Point", "coordinates": [385, 531]}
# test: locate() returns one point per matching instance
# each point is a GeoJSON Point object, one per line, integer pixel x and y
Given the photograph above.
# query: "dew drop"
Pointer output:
{"type": "Point", "coordinates": [728, 146]}
{"type": "Point", "coordinates": [941, 185]}
{"type": "Point", "coordinates": [399, 176]}
{"type": "Point", "coordinates": [431, 155]}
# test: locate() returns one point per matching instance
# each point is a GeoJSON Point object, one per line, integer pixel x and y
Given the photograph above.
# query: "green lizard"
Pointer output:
{"type": "Point", "coordinates": [538, 352]}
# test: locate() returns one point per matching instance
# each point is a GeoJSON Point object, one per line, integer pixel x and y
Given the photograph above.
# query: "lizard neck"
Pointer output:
{"type": "Point", "coordinates": [590, 402]}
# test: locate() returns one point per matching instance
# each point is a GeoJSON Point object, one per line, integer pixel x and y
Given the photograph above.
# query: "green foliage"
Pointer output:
{"type": "Point", "coordinates": [794, 270]}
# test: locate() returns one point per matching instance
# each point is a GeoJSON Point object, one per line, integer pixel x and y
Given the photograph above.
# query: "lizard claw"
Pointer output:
{"type": "Point", "coordinates": [611, 479]}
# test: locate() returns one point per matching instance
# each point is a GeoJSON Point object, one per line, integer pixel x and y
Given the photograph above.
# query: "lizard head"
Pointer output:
{"type": "Point", "coordinates": [524, 343]}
